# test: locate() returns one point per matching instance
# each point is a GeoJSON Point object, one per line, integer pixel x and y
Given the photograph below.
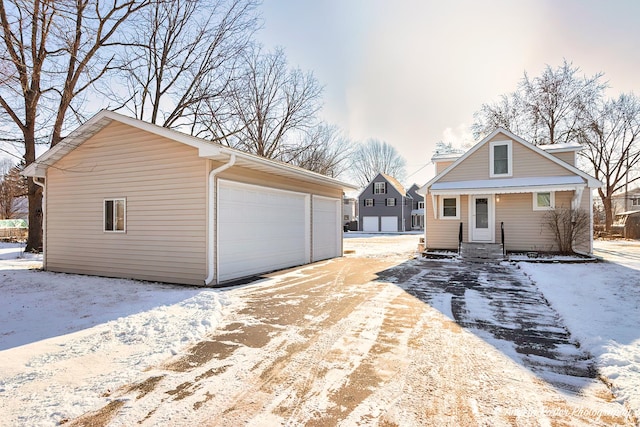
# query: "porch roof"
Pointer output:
{"type": "Point", "coordinates": [509, 185]}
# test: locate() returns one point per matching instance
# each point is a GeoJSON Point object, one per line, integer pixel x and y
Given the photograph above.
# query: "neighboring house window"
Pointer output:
{"type": "Point", "coordinates": [346, 217]}
{"type": "Point", "coordinates": [420, 205]}
{"type": "Point", "coordinates": [635, 202]}
{"type": "Point", "coordinates": [368, 202]}
{"type": "Point", "coordinates": [379, 188]}
{"type": "Point", "coordinates": [544, 201]}
{"type": "Point", "coordinates": [450, 208]}
{"type": "Point", "coordinates": [114, 214]}
{"type": "Point", "coordinates": [500, 159]}
{"type": "Point", "coordinates": [391, 202]}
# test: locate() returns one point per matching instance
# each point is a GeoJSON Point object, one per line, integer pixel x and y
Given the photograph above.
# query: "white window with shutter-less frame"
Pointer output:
{"type": "Point", "coordinates": [544, 201]}
{"type": "Point", "coordinates": [114, 217]}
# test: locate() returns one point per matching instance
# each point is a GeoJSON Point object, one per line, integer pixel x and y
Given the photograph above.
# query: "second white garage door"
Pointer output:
{"type": "Point", "coordinates": [370, 224]}
{"type": "Point", "coordinates": [260, 229]}
{"type": "Point", "coordinates": [327, 230]}
{"type": "Point", "coordinates": [389, 223]}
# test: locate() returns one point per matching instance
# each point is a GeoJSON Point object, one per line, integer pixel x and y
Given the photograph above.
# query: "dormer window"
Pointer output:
{"type": "Point", "coordinates": [379, 188]}
{"type": "Point", "coordinates": [500, 159]}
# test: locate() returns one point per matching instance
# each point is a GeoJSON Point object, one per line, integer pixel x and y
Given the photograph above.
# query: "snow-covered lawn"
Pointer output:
{"type": "Point", "coordinates": [67, 342]}
{"type": "Point", "coordinates": [600, 304]}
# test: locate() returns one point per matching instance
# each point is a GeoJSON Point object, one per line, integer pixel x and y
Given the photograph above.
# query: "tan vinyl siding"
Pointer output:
{"type": "Point", "coordinates": [443, 233]}
{"type": "Point", "coordinates": [567, 157]}
{"type": "Point", "coordinates": [525, 229]}
{"type": "Point", "coordinates": [240, 174]}
{"type": "Point", "coordinates": [165, 186]}
{"type": "Point", "coordinates": [526, 163]}
{"type": "Point", "coordinates": [440, 166]}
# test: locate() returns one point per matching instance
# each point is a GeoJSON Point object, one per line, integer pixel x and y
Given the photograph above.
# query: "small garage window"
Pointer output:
{"type": "Point", "coordinates": [391, 201]}
{"type": "Point", "coordinates": [368, 202]}
{"type": "Point", "coordinates": [115, 211]}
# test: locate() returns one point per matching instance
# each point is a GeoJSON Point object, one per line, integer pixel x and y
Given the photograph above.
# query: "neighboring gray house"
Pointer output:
{"type": "Point", "coordinates": [384, 205]}
{"type": "Point", "coordinates": [417, 208]}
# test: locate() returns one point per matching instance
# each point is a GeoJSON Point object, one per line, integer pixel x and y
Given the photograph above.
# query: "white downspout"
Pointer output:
{"type": "Point", "coordinates": [44, 219]}
{"type": "Point", "coordinates": [211, 209]}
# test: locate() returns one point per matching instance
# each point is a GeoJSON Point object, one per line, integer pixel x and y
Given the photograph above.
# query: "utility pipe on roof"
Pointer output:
{"type": "Point", "coordinates": [211, 210]}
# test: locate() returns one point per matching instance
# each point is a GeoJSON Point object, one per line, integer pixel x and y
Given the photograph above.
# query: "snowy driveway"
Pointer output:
{"type": "Point", "coordinates": [375, 338]}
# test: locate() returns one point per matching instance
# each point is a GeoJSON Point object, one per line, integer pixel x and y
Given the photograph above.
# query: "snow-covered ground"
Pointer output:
{"type": "Point", "coordinates": [66, 341]}
{"type": "Point", "coordinates": [600, 304]}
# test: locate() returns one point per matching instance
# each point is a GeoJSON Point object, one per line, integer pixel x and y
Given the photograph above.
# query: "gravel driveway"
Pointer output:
{"type": "Point", "coordinates": [378, 338]}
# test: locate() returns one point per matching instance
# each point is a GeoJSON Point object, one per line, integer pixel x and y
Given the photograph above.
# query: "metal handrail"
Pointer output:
{"type": "Point", "coordinates": [504, 249]}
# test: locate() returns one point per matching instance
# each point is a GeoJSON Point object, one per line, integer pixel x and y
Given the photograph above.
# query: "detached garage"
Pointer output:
{"type": "Point", "coordinates": [124, 198]}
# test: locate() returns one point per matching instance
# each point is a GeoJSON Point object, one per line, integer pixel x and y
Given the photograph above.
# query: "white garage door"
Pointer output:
{"type": "Point", "coordinates": [370, 223]}
{"type": "Point", "coordinates": [260, 229]}
{"type": "Point", "coordinates": [389, 223]}
{"type": "Point", "coordinates": [327, 228]}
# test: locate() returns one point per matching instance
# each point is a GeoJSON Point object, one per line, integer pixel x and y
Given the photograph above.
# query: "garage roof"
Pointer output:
{"type": "Point", "coordinates": [206, 149]}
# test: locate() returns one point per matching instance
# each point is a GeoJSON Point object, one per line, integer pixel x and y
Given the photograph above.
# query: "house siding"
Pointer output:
{"type": "Point", "coordinates": [248, 176]}
{"type": "Point", "coordinates": [443, 233]}
{"type": "Point", "coordinates": [526, 163]}
{"type": "Point", "coordinates": [158, 177]}
{"type": "Point", "coordinates": [567, 157]}
{"type": "Point", "coordinates": [441, 166]}
{"type": "Point", "coordinates": [525, 229]}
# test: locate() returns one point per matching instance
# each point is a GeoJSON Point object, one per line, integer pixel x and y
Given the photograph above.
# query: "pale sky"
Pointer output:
{"type": "Point", "coordinates": [412, 73]}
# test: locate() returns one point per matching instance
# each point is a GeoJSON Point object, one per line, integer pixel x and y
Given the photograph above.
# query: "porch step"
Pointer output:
{"type": "Point", "coordinates": [481, 252]}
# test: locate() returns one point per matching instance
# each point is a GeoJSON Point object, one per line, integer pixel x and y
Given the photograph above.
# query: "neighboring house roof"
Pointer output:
{"type": "Point", "coordinates": [513, 183]}
{"type": "Point", "coordinates": [391, 180]}
{"type": "Point", "coordinates": [206, 149]}
{"type": "Point", "coordinates": [396, 184]}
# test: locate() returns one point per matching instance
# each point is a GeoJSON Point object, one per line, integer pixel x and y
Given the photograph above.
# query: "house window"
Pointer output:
{"type": "Point", "coordinates": [346, 217]}
{"type": "Point", "coordinates": [114, 215]}
{"type": "Point", "coordinates": [390, 201]}
{"type": "Point", "coordinates": [450, 208]}
{"type": "Point", "coordinates": [500, 159]}
{"type": "Point", "coordinates": [420, 205]}
{"type": "Point", "coordinates": [544, 201]}
{"type": "Point", "coordinates": [368, 202]}
{"type": "Point", "coordinates": [635, 202]}
{"type": "Point", "coordinates": [379, 188]}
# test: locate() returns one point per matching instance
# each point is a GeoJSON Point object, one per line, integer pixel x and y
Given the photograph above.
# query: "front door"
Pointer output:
{"type": "Point", "coordinates": [482, 219]}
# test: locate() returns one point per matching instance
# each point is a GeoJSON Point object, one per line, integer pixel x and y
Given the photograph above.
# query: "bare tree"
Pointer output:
{"type": "Point", "coordinates": [506, 113]}
{"type": "Point", "coordinates": [182, 58]}
{"type": "Point", "coordinates": [569, 227]}
{"type": "Point", "coordinates": [51, 54]}
{"type": "Point", "coordinates": [547, 109]}
{"type": "Point", "coordinates": [323, 150]}
{"type": "Point", "coordinates": [12, 187]}
{"type": "Point", "coordinates": [269, 102]}
{"type": "Point", "coordinates": [375, 156]}
{"type": "Point", "coordinates": [611, 136]}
